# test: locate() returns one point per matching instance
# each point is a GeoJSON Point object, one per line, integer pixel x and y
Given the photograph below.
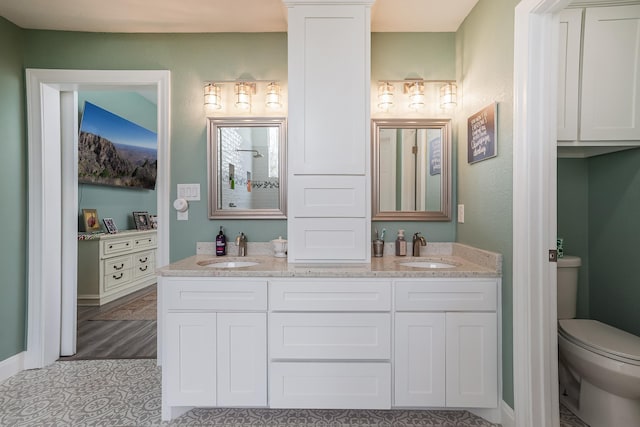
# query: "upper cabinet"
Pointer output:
{"type": "Point", "coordinates": [599, 101]}
{"type": "Point", "coordinates": [329, 174]}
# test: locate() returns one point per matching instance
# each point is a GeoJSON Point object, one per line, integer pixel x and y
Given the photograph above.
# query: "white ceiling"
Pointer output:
{"type": "Point", "coordinates": [214, 16]}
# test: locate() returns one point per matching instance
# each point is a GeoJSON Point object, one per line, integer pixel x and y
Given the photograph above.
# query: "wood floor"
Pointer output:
{"type": "Point", "coordinates": [114, 339]}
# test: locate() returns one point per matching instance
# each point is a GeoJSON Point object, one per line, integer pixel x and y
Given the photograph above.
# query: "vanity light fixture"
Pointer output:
{"type": "Point", "coordinates": [385, 96]}
{"type": "Point", "coordinates": [273, 96]}
{"type": "Point", "coordinates": [448, 95]}
{"type": "Point", "coordinates": [243, 92]}
{"type": "Point", "coordinates": [212, 99]}
{"type": "Point", "coordinates": [416, 94]}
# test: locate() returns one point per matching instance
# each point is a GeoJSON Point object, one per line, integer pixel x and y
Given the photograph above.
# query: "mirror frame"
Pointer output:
{"type": "Point", "coordinates": [445, 197]}
{"type": "Point", "coordinates": [212, 167]}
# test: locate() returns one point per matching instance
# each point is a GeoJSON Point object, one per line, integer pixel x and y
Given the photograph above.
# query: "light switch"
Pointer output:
{"type": "Point", "coordinates": [461, 214]}
{"type": "Point", "coordinates": [190, 192]}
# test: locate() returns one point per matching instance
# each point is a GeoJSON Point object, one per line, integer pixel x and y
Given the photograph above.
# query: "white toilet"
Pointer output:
{"type": "Point", "coordinates": [599, 366]}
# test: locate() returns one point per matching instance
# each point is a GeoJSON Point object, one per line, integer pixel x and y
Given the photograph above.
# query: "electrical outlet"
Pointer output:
{"type": "Point", "coordinates": [461, 214]}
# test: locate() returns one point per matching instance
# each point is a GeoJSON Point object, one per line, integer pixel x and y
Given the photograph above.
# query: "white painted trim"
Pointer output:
{"type": "Point", "coordinates": [45, 223]}
{"type": "Point", "coordinates": [69, 280]}
{"type": "Point", "coordinates": [534, 211]}
{"type": "Point", "coordinates": [508, 417]}
{"type": "Point", "coordinates": [11, 366]}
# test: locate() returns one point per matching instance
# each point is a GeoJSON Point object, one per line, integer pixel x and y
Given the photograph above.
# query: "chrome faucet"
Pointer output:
{"type": "Point", "coordinates": [241, 242]}
{"type": "Point", "coordinates": [418, 241]}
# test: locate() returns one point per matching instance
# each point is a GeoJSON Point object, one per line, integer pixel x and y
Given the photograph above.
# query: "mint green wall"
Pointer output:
{"type": "Point", "coordinates": [192, 60]}
{"type": "Point", "coordinates": [573, 226]}
{"type": "Point", "coordinates": [13, 188]}
{"type": "Point", "coordinates": [484, 48]}
{"type": "Point", "coordinates": [118, 202]}
{"type": "Point", "coordinates": [430, 56]}
{"type": "Point", "coordinates": [614, 239]}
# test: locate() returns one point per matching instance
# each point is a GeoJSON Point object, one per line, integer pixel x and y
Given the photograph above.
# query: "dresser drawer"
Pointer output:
{"type": "Point", "coordinates": [114, 246]}
{"type": "Point", "coordinates": [208, 294]}
{"type": "Point", "coordinates": [330, 295]}
{"type": "Point", "coordinates": [446, 295]}
{"type": "Point", "coordinates": [330, 336]}
{"type": "Point", "coordinates": [115, 280]}
{"type": "Point", "coordinates": [117, 264]}
{"type": "Point", "coordinates": [141, 270]}
{"type": "Point", "coordinates": [330, 385]}
{"type": "Point", "coordinates": [144, 258]}
{"type": "Point", "coordinates": [147, 241]}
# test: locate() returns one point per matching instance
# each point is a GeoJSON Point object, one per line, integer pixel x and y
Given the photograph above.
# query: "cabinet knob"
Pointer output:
{"type": "Point", "coordinates": [144, 268]}
{"type": "Point", "coordinates": [118, 277]}
{"type": "Point", "coordinates": [110, 246]}
{"type": "Point", "coordinates": [144, 260]}
{"type": "Point", "coordinates": [119, 268]}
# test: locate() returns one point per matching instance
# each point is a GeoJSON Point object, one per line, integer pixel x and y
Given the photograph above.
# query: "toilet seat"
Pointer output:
{"type": "Point", "coordinates": [602, 339]}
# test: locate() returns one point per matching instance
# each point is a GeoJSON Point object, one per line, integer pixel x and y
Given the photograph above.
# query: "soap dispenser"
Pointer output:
{"type": "Point", "coordinates": [401, 244]}
{"type": "Point", "coordinates": [221, 243]}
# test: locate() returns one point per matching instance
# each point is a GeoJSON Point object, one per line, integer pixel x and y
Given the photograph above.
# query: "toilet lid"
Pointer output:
{"type": "Point", "coordinates": [602, 338]}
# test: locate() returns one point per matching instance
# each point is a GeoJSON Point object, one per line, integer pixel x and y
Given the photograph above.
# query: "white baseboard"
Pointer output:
{"type": "Point", "coordinates": [11, 366]}
{"type": "Point", "coordinates": [508, 416]}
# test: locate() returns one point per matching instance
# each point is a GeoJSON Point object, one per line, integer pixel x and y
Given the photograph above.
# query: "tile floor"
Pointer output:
{"type": "Point", "coordinates": [127, 393]}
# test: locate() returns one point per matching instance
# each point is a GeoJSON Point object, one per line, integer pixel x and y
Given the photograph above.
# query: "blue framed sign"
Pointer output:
{"type": "Point", "coordinates": [482, 141]}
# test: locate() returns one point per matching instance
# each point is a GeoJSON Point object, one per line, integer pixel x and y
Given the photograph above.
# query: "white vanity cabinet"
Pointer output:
{"type": "Point", "coordinates": [446, 343]}
{"type": "Point", "coordinates": [214, 342]}
{"type": "Point", "coordinates": [330, 344]}
{"type": "Point", "coordinates": [598, 102]}
{"type": "Point", "coordinates": [329, 132]}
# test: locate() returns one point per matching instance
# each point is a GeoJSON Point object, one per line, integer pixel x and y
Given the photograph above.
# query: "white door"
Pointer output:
{"type": "Point", "coordinates": [190, 359]}
{"type": "Point", "coordinates": [472, 360]}
{"type": "Point", "coordinates": [419, 359]}
{"type": "Point", "coordinates": [242, 359]}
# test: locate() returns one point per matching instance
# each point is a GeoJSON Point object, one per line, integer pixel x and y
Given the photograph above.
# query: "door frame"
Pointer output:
{"type": "Point", "coordinates": [535, 356]}
{"type": "Point", "coordinates": [48, 253]}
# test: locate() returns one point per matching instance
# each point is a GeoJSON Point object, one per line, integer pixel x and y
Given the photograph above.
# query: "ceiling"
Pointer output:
{"type": "Point", "coordinates": [215, 16]}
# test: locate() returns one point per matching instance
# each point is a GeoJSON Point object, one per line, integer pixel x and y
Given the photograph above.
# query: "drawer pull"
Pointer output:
{"type": "Point", "coordinates": [143, 260]}
{"type": "Point", "coordinates": [144, 268]}
{"type": "Point", "coordinates": [119, 268]}
{"type": "Point", "coordinates": [127, 243]}
{"type": "Point", "coordinates": [110, 246]}
{"type": "Point", "coordinates": [118, 277]}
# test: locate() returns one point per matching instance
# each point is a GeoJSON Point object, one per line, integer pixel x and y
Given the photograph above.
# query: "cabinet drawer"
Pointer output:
{"type": "Point", "coordinates": [148, 241]}
{"type": "Point", "coordinates": [115, 265]}
{"type": "Point", "coordinates": [446, 295]}
{"type": "Point", "coordinates": [115, 280]}
{"type": "Point", "coordinates": [209, 294]}
{"type": "Point", "coordinates": [330, 239]}
{"type": "Point", "coordinates": [330, 296]}
{"type": "Point", "coordinates": [330, 336]}
{"type": "Point", "coordinates": [331, 386]}
{"type": "Point", "coordinates": [144, 258]}
{"type": "Point", "coordinates": [114, 246]}
{"type": "Point", "coordinates": [329, 196]}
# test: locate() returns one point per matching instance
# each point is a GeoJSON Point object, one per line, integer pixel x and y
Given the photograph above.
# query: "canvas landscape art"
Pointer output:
{"type": "Point", "coordinates": [115, 151]}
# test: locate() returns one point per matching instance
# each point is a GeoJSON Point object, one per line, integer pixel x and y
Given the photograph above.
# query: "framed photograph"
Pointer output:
{"type": "Point", "coordinates": [90, 219]}
{"type": "Point", "coordinates": [141, 220]}
{"type": "Point", "coordinates": [153, 221]}
{"type": "Point", "coordinates": [110, 225]}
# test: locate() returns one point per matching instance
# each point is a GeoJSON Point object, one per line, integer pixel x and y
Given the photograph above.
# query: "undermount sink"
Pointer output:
{"type": "Point", "coordinates": [427, 264]}
{"type": "Point", "coordinates": [227, 264]}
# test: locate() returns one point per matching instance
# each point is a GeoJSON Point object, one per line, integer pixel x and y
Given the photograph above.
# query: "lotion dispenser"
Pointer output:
{"type": "Point", "coordinates": [401, 244]}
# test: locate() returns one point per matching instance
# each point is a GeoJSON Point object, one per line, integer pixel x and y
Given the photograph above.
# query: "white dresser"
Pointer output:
{"type": "Point", "coordinates": [111, 266]}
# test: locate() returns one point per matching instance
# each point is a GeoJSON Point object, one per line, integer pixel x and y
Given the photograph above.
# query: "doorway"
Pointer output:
{"type": "Point", "coordinates": [49, 266]}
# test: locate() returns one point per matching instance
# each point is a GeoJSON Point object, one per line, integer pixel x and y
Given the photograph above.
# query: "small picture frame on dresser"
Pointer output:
{"type": "Point", "coordinates": [110, 225]}
{"type": "Point", "coordinates": [90, 220]}
{"type": "Point", "coordinates": [141, 220]}
{"type": "Point", "coordinates": [153, 222]}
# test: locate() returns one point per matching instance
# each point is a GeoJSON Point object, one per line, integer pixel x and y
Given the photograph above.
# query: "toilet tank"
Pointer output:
{"type": "Point", "coordinates": [568, 267]}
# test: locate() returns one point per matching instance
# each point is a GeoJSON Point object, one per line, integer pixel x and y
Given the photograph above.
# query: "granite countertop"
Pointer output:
{"type": "Point", "coordinates": [467, 261]}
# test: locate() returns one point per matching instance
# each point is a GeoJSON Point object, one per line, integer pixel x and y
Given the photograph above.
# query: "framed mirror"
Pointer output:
{"type": "Point", "coordinates": [247, 168]}
{"type": "Point", "coordinates": [411, 170]}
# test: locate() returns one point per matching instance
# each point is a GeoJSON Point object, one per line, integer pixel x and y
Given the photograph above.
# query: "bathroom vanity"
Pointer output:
{"type": "Point", "coordinates": [368, 336]}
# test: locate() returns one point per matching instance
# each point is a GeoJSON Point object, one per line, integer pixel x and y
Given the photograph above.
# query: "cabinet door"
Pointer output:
{"type": "Point", "coordinates": [472, 360]}
{"type": "Point", "coordinates": [242, 359]}
{"type": "Point", "coordinates": [189, 363]}
{"type": "Point", "coordinates": [569, 73]}
{"type": "Point", "coordinates": [420, 359]}
{"type": "Point", "coordinates": [611, 74]}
